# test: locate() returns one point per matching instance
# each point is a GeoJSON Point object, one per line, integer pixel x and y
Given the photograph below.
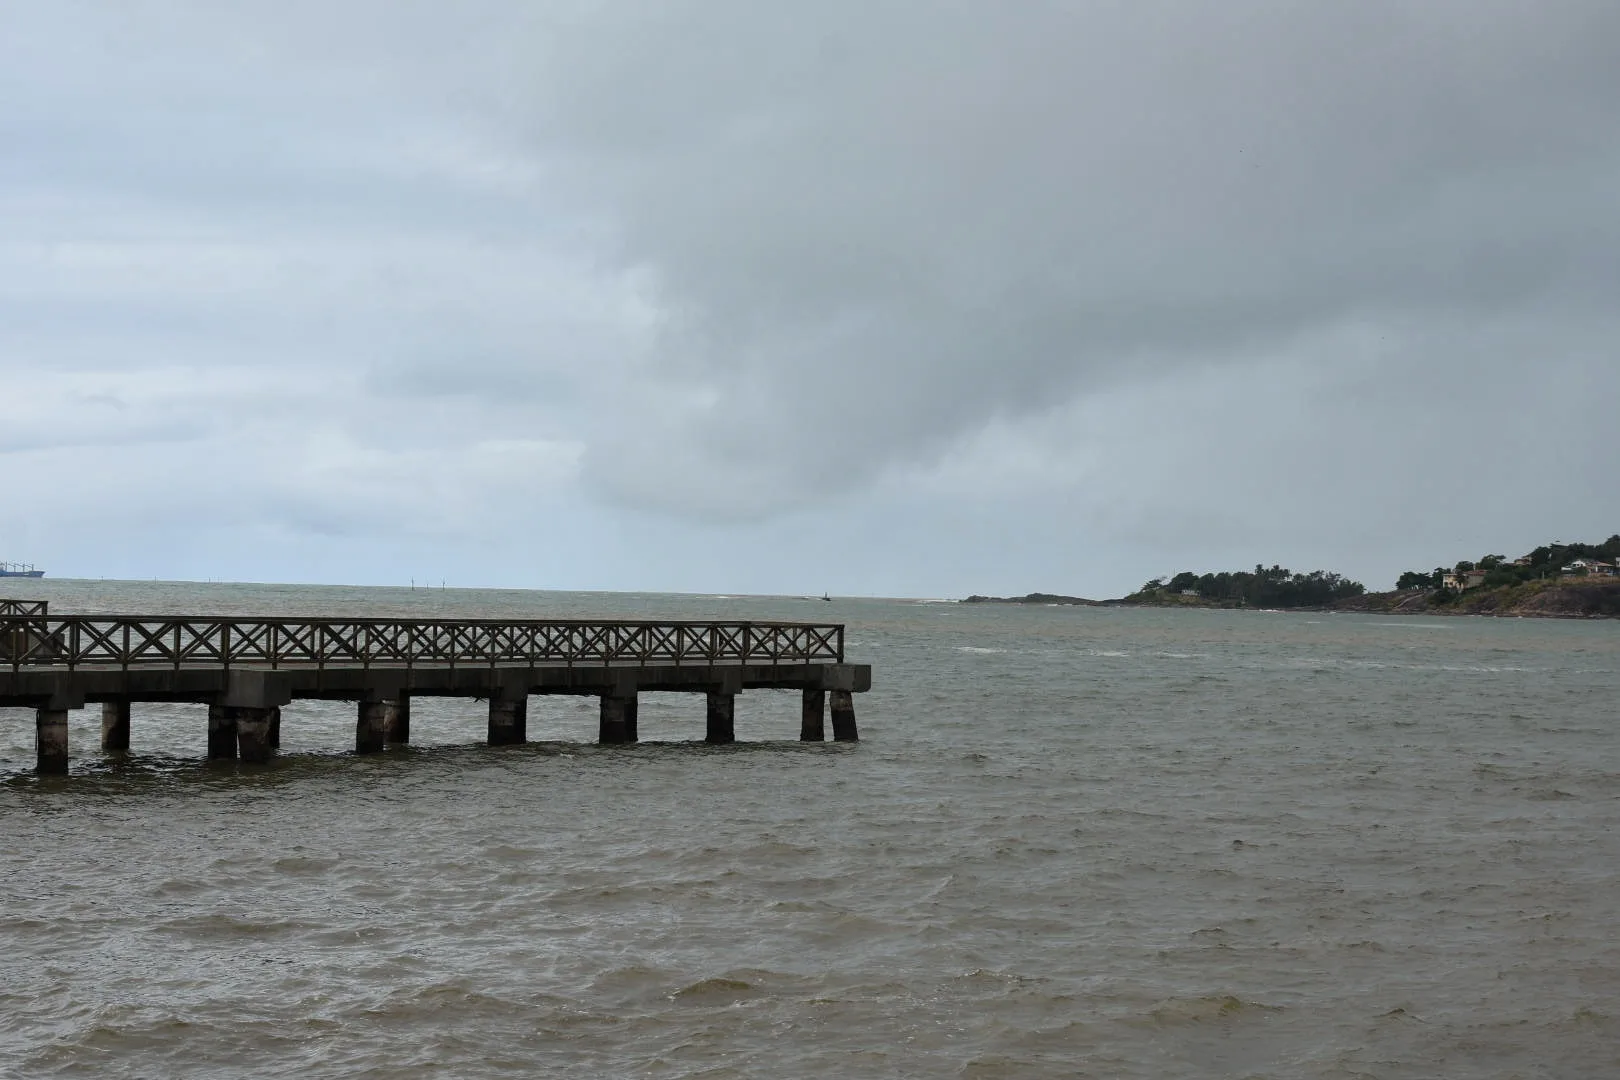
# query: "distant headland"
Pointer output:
{"type": "Point", "coordinates": [1033, 598]}
{"type": "Point", "coordinates": [1557, 580]}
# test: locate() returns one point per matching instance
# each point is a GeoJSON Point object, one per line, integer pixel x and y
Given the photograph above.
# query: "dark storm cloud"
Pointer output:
{"type": "Point", "coordinates": [876, 226]}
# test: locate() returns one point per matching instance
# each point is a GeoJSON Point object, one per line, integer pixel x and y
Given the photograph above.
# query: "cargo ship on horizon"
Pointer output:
{"type": "Point", "coordinates": [15, 569]}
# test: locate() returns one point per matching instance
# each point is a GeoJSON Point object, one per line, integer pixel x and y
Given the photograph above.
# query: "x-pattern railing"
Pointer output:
{"type": "Point", "coordinates": [23, 608]}
{"type": "Point", "coordinates": [30, 639]}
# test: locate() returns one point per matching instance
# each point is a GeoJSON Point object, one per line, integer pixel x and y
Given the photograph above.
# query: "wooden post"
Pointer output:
{"type": "Point", "coordinates": [612, 730]}
{"type": "Point", "coordinates": [252, 733]}
{"type": "Point", "coordinates": [221, 733]}
{"type": "Point", "coordinates": [508, 721]}
{"type": "Point", "coordinates": [51, 742]}
{"type": "Point", "coordinates": [813, 726]}
{"type": "Point", "coordinates": [370, 723]}
{"type": "Point", "coordinates": [399, 722]}
{"type": "Point", "coordinates": [722, 718]}
{"type": "Point", "coordinates": [632, 709]}
{"type": "Point", "coordinates": [115, 726]}
{"type": "Point", "coordinates": [843, 716]}
{"type": "Point", "coordinates": [273, 734]}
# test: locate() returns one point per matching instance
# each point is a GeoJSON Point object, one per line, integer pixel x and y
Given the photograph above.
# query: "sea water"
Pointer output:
{"type": "Point", "coordinates": [1073, 842]}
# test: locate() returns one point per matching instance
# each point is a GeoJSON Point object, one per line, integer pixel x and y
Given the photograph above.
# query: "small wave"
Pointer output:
{"type": "Point", "coordinates": [304, 864]}
{"type": "Point", "coordinates": [233, 927]}
{"type": "Point", "coordinates": [416, 1004]}
{"type": "Point", "coordinates": [1203, 1010]}
{"type": "Point", "coordinates": [729, 988]}
{"type": "Point", "coordinates": [934, 890]}
{"type": "Point", "coordinates": [976, 650]}
{"type": "Point", "coordinates": [716, 989]}
{"type": "Point", "coordinates": [1399, 1013]}
{"type": "Point", "coordinates": [986, 977]}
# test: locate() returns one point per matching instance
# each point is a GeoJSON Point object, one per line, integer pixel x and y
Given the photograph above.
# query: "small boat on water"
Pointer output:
{"type": "Point", "coordinates": [14, 569]}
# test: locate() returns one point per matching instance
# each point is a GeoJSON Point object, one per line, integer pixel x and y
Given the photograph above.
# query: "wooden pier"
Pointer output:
{"type": "Point", "coordinates": [246, 669]}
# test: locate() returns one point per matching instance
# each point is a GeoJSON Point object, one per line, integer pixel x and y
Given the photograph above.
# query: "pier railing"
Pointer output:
{"type": "Point", "coordinates": [94, 641]}
{"type": "Point", "coordinates": [23, 608]}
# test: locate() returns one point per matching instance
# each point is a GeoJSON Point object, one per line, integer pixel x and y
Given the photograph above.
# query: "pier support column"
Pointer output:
{"type": "Point", "coordinates": [221, 733]}
{"type": "Point", "coordinates": [813, 727]}
{"type": "Point", "coordinates": [272, 734]}
{"type": "Point", "coordinates": [843, 716]}
{"type": "Point", "coordinates": [612, 729]}
{"type": "Point", "coordinates": [115, 726]}
{"type": "Point", "coordinates": [722, 718]}
{"type": "Point", "coordinates": [51, 742]}
{"type": "Point", "coordinates": [632, 710]}
{"type": "Point", "coordinates": [370, 725]}
{"type": "Point", "coordinates": [252, 732]}
{"type": "Point", "coordinates": [399, 724]}
{"type": "Point", "coordinates": [508, 721]}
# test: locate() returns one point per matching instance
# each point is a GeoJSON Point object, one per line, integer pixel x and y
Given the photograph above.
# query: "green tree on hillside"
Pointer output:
{"type": "Point", "coordinates": [1273, 586]}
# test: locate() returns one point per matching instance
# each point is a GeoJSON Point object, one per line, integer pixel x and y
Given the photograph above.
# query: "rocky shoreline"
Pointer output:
{"type": "Point", "coordinates": [1555, 598]}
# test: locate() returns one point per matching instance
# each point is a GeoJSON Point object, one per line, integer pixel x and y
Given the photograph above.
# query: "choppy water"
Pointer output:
{"type": "Point", "coordinates": [1074, 842]}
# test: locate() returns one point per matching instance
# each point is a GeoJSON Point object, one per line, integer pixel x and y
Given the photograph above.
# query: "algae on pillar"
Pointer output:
{"type": "Point", "coordinates": [508, 721]}
{"type": "Point", "coordinates": [813, 725]}
{"type": "Point", "coordinates": [115, 725]}
{"type": "Point", "coordinates": [612, 729]}
{"type": "Point", "coordinates": [253, 732]}
{"type": "Point", "coordinates": [370, 724]}
{"type": "Point", "coordinates": [51, 742]}
{"type": "Point", "coordinates": [399, 724]}
{"type": "Point", "coordinates": [843, 716]}
{"type": "Point", "coordinates": [221, 733]}
{"type": "Point", "coordinates": [722, 718]}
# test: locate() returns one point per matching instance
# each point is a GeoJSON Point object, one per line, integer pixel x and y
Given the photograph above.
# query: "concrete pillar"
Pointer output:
{"type": "Point", "coordinates": [221, 733]}
{"type": "Point", "coordinates": [632, 710]}
{"type": "Point", "coordinates": [115, 725]}
{"type": "Point", "coordinates": [722, 726]}
{"type": "Point", "coordinates": [273, 732]}
{"type": "Point", "coordinates": [613, 728]}
{"type": "Point", "coordinates": [813, 727]}
{"type": "Point", "coordinates": [370, 724]}
{"type": "Point", "coordinates": [508, 721]}
{"type": "Point", "coordinates": [843, 716]}
{"type": "Point", "coordinates": [399, 724]}
{"type": "Point", "coordinates": [252, 732]}
{"type": "Point", "coordinates": [51, 742]}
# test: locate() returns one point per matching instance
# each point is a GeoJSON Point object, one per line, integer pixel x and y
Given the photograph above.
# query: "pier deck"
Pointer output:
{"type": "Point", "coordinates": [246, 669]}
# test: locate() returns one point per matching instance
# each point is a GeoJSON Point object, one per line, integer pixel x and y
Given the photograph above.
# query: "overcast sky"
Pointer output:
{"type": "Point", "coordinates": [891, 297]}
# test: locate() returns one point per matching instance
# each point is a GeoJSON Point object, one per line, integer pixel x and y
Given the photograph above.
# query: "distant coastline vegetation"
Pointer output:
{"type": "Point", "coordinates": [1556, 579]}
{"type": "Point", "coordinates": [1273, 587]}
{"type": "Point", "coordinates": [1557, 560]}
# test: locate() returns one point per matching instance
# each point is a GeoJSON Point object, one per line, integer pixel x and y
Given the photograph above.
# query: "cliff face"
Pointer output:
{"type": "Point", "coordinates": [1567, 598]}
